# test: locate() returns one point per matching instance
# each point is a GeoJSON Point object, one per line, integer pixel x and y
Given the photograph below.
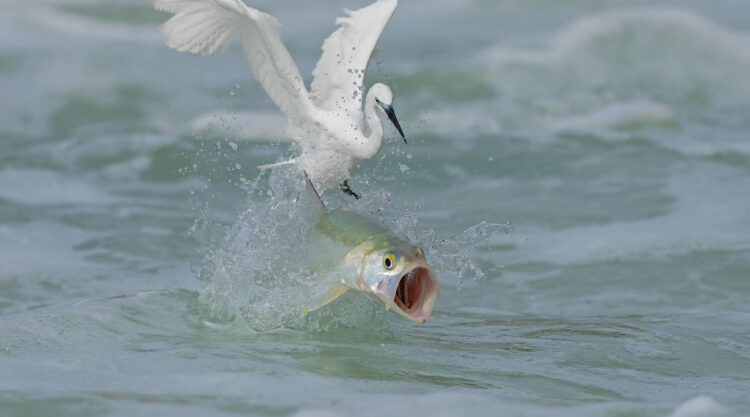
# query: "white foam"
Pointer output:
{"type": "Point", "coordinates": [579, 33]}
{"type": "Point", "coordinates": [618, 115]}
{"type": "Point", "coordinates": [702, 406]}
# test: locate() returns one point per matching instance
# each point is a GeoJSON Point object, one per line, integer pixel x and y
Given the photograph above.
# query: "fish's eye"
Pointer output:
{"type": "Point", "coordinates": [389, 261]}
{"type": "Point", "coordinates": [420, 252]}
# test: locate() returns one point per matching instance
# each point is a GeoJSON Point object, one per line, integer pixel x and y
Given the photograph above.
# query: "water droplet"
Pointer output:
{"type": "Point", "coordinates": [233, 145]}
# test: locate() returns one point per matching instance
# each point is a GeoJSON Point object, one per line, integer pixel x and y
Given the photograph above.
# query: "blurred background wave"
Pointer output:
{"type": "Point", "coordinates": [613, 135]}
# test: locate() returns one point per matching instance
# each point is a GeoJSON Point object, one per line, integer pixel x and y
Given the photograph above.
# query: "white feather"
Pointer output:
{"type": "Point", "coordinates": [340, 72]}
{"type": "Point", "coordinates": [327, 123]}
{"type": "Point", "coordinates": [207, 26]}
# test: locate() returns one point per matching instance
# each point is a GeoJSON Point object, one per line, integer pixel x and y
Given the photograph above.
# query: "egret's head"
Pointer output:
{"type": "Point", "coordinates": [384, 101]}
{"type": "Point", "coordinates": [398, 276]}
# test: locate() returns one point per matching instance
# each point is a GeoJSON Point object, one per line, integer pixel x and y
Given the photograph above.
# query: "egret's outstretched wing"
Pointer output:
{"type": "Point", "coordinates": [340, 72]}
{"type": "Point", "coordinates": [207, 26]}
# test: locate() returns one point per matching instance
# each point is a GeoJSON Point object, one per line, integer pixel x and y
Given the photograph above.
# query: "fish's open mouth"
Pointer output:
{"type": "Point", "coordinates": [416, 293]}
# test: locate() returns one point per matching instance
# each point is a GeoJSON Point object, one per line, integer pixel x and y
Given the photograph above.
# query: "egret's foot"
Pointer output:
{"type": "Point", "coordinates": [345, 188]}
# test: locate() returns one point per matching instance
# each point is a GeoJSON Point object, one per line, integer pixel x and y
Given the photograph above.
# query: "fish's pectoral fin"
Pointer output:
{"type": "Point", "coordinates": [322, 298]}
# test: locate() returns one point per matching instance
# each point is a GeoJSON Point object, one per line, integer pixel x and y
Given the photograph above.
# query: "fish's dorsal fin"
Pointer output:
{"type": "Point", "coordinates": [316, 197]}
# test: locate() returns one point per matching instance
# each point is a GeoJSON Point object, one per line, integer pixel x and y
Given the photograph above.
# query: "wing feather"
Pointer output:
{"type": "Point", "coordinates": [339, 75]}
{"type": "Point", "coordinates": [207, 26]}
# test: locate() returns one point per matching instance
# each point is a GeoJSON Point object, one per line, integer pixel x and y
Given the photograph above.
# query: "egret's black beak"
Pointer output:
{"type": "Point", "coordinates": [392, 116]}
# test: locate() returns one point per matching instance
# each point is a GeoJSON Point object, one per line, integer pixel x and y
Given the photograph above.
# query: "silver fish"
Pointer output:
{"type": "Point", "coordinates": [357, 252]}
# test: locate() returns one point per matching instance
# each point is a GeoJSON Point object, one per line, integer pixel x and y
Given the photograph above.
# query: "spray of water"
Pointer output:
{"type": "Point", "coordinates": [258, 274]}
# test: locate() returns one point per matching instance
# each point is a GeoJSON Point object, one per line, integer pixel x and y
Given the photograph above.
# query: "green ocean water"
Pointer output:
{"type": "Point", "coordinates": [578, 173]}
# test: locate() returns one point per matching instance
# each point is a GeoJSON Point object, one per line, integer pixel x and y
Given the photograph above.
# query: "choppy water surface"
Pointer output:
{"type": "Point", "coordinates": [146, 266]}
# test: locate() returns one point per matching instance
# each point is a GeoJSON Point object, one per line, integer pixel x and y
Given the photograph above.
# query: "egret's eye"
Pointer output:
{"type": "Point", "coordinates": [377, 101]}
{"type": "Point", "coordinates": [389, 261]}
{"type": "Point", "coordinates": [420, 252]}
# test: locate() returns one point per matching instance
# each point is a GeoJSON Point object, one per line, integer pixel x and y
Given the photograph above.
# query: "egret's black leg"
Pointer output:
{"type": "Point", "coordinates": [345, 188]}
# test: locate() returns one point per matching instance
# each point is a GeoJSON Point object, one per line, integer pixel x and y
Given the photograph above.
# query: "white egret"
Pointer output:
{"type": "Point", "coordinates": [327, 122]}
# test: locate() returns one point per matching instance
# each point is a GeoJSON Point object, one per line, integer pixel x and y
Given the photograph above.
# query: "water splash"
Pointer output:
{"type": "Point", "coordinates": [458, 255]}
{"type": "Point", "coordinates": [259, 275]}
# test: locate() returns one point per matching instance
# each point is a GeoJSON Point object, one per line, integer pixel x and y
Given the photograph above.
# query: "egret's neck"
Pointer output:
{"type": "Point", "coordinates": [375, 139]}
